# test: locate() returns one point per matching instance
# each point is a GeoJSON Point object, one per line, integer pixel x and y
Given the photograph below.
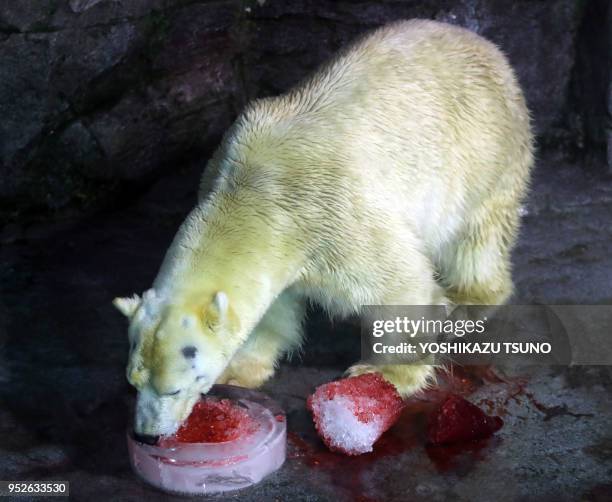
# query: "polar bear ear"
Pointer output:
{"type": "Point", "coordinates": [218, 307]}
{"type": "Point", "coordinates": [127, 306]}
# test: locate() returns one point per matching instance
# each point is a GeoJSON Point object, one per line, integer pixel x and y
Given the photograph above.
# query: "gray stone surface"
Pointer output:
{"type": "Point", "coordinates": [95, 94]}
{"type": "Point", "coordinates": [64, 402]}
{"type": "Point", "coordinates": [100, 95]}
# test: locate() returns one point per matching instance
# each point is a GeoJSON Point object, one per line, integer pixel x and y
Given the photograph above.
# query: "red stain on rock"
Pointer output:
{"type": "Point", "coordinates": [349, 474]}
{"type": "Point", "coordinates": [457, 420]}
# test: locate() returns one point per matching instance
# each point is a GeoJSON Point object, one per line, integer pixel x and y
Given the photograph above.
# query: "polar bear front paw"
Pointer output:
{"type": "Point", "coordinates": [246, 373]}
{"type": "Point", "coordinates": [406, 378]}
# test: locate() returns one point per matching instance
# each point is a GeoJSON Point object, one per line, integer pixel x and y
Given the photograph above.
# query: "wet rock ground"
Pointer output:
{"type": "Point", "coordinates": [64, 402]}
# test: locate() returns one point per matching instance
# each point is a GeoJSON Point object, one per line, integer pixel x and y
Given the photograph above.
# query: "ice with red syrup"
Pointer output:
{"type": "Point", "coordinates": [213, 421]}
{"type": "Point", "coordinates": [233, 439]}
{"type": "Point", "coordinates": [458, 420]}
{"type": "Point", "coordinates": [351, 414]}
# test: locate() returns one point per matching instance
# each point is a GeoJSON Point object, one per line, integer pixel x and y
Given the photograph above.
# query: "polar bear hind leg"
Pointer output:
{"type": "Point", "coordinates": [476, 268]}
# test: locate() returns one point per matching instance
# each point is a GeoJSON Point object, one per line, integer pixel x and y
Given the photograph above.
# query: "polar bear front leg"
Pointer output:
{"type": "Point", "coordinates": [419, 288]}
{"type": "Point", "coordinates": [407, 378]}
{"type": "Point", "coordinates": [278, 332]}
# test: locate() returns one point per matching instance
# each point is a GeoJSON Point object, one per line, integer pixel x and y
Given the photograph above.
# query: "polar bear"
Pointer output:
{"type": "Point", "coordinates": [393, 175]}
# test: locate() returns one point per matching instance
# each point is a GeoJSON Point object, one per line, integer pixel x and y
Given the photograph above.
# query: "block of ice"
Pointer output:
{"type": "Point", "coordinates": [351, 414]}
{"type": "Point", "coordinates": [249, 445]}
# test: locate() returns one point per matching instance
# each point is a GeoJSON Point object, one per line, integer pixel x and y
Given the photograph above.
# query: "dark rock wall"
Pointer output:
{"type": "Point", "coordinates": [95, 94]}
{"type": "Point", "coordinates": [591, 90]}
{"type": "Point", "coordinates": [100, 95]}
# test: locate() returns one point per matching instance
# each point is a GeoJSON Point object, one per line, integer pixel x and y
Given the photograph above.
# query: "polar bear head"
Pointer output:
{"type": "Point", "coordinates": [177, 351]}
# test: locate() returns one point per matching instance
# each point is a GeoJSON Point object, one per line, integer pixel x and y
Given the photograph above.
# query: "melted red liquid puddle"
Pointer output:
{"type": "Point", "coordinates": [349, 473]}
{"type": "Point", "coordinates": [213, 421]}
{"type": "Point", "coordinates": [459, 458]}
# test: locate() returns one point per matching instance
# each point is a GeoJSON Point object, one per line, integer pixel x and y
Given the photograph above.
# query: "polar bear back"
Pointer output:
{"type": "Point", "coordinates": [414, 125]}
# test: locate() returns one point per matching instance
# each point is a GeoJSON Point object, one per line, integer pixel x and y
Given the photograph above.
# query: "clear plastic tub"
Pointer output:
{"type": "Point", "coordinates": [199, 468]}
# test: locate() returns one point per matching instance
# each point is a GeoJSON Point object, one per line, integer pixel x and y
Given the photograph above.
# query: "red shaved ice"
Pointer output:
{"type": "Point", "coordinates": [213, 421]}
{"type": "Point", "coordinates": [351, 414]}
{"type": "Point", "coordinates": [458, 420]}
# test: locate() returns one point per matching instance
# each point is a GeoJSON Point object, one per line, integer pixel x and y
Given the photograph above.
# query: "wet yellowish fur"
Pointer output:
{"type": "Point", "coordinates": [393, 175]}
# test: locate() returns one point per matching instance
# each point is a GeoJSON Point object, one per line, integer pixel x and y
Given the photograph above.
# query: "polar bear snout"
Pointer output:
{"type": "Point", "coordinates": [161, 415]}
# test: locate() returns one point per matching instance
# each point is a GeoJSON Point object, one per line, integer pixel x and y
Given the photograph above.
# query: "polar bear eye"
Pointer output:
{"type": "Point", "coordinates": [189, 352]}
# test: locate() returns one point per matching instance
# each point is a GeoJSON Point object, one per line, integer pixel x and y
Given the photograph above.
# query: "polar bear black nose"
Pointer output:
{"type": "Point", "coordinates": [189, 352]}
{"type": "Point", "coordinates": [146, 438]}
